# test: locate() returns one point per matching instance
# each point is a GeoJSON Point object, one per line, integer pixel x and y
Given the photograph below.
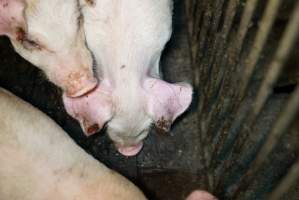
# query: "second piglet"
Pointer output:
{"type": "Point", "coordinates": [50, 35]}
{"type": "Point", "coordinates": [127, 39]}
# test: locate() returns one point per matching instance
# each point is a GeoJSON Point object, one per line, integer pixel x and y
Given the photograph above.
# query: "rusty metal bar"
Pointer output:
{"type": "Point", "coordinates": [234, 52]}
{"type": "Point", "coordinates": [283, 122]}
{"type": "Point", "coordinates": [212, 42]}
{"type": "Point", "coordinates": [260, 40]}
{"type": "Point", "coordinates": [219, 51]}
{"type": "Point", "coordinates": [197, 34]}
{"type": "Point", "coordinates": [202, 39]}
{"type": "Point", "coordinates": [288, 40]}
{"type": "Point", "coordinates": [285, 45]}
{"type": "Point", "coordinates": [245, 21]}
{"type": "Point", "coordinates": [222, 36]}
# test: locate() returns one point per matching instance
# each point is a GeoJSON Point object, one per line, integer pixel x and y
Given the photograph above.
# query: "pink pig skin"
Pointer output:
{"type": "Point", "coordinates": [11, 17]}
{"type": "Point", "coordinates": [166, 101]}
{"type": "Point", "coordinates": [91, 110]}
{"type": "Point", "coordinates": [200, 195]}
{"type": "Point", "coordinates": [131, 150]}
{"type": "Point", "coordinates": [61, 53]}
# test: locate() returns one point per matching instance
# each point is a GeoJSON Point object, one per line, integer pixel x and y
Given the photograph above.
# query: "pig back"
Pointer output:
{"type": "Point", "coordinates": [40, 162]}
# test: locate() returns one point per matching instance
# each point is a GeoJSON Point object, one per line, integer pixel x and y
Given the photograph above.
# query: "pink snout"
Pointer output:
{"type": "Point", "coordinates": [200, 195]}
{"type": "Point", "coordinates": [79, 84]}
{"type": "Point", "coordinates": [130, 150]}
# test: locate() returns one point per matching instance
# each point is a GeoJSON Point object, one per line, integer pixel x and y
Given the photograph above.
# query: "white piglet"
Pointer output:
{"type": "Point", "coordinates": [40, 162]}
{"type": "Point", "coordinates": [49, 34]}
{"type": "Point", "coordinates": [127, 39]}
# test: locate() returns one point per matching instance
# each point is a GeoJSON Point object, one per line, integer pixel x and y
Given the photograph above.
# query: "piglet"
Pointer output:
{"type": "Point", "coordinates": [127, 39]}
{"type": "Point", "coordinates": [40, 162]}
{"type": "Point", "coordinates": [50, 35]}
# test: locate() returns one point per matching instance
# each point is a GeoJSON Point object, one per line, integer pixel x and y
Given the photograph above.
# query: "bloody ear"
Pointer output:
{"type": "Point", "coordinates": [166, 101]}
{"type": "Point", "coordinates": [12, 19]}
{"type": "Point", "coordinates": [92, 110]}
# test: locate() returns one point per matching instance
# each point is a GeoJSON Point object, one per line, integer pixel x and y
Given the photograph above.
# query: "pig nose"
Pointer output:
{"type": "Point", "coordinates": [129, 150]}
{"type": "Point", "coordinates": [79, 84]}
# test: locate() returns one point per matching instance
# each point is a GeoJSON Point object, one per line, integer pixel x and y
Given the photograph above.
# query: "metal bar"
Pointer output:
{"type": "Point", "coordinates": [260, 40]}
{"type": "Point", "coordinates": [283, 122]}
{"type": "Point", "coordinates": [195, 30]}
{"type": "Point", "coordinates": [285, 45]}
{"type": "Point", "coordinates": [288, 40]}
{"type": "Point", "coordinates": [234, 52]}
{"type": "Point", "coordinates": [288, 181]}
{"type": "Point", "coordinates": [202, 40]}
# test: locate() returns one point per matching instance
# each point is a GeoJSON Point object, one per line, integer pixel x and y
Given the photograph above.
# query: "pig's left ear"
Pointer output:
{"type": "Point", "coordinates": [165, 101]}
{"type": "Point", "coordinates": [12, 20]}
{"type": "Point", "coordinates": [92, 110]}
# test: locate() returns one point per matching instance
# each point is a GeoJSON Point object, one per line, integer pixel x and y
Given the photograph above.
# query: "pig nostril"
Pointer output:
{"type": "Point", "coordinates": [92, 129]}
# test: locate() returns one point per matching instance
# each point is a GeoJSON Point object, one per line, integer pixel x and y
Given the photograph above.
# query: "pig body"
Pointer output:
{"type": "Point", "coordinates": [40, 162]}
{"type": "Point", "coordinates": [49, 34]}
{"type": "Point", "coordinates": [127, 39]}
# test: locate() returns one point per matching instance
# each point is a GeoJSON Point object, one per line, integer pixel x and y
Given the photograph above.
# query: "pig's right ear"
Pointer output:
{"type": "Point", "coordinates": [92, 110]}
{"type": "Point", "coordinates": [12, 20]}
{"type": "Point", "coordinates": [166, 101]}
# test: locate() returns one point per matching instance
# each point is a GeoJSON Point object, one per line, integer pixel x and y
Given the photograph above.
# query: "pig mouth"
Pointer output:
{"type": "Point", "coordinates": [129, 150]}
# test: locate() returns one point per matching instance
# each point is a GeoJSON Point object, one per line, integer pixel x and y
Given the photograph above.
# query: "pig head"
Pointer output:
{"type": "Point", "coordinates": [127, 40]}
{"type": "Point", "coordinates": [50, 35]}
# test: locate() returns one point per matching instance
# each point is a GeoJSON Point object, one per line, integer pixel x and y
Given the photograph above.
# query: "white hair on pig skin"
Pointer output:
{"type": "Point", "coordinates": [49, 34]}
{"type": "Point", "coordinates": [127, 39]}
{"type": "Point", "coordinates": [39, 161]}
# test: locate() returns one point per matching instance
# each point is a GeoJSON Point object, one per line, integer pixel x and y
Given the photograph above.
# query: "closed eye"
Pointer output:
{"type": "Point", "coordinates": [31, 44]}
{"type": "Point", "coordinates": [79, 21]}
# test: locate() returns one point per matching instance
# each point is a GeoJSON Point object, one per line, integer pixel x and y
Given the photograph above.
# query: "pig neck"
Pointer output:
{"type": "Point", "coordinates": [128, 88]}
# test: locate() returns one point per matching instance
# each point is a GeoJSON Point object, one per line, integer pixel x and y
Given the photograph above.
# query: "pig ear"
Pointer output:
{"type": "Point", "coordinates": [166, 101]}
{"type": "Point", "coordinates": [12, 18]}
{"type": "Point", "coordinates": [92, 110]}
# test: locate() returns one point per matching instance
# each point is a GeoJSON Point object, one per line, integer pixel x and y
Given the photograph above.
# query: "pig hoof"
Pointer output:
{"type": "Point", "coordinates": [130, 150]}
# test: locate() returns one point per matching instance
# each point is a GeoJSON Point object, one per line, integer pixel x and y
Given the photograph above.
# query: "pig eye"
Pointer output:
{"type": "Point", "coordinates": [31, 45]}
{"type": "Point", "coordinates": [80, 20]}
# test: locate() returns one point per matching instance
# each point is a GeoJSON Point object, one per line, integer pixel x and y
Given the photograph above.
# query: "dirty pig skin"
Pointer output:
{"type": "Point", "coordinates": [127, 39]}
{"type": "Point", "coordinates": [50, 35]}
{"type": "Point", "coordinates": [39, 161]}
